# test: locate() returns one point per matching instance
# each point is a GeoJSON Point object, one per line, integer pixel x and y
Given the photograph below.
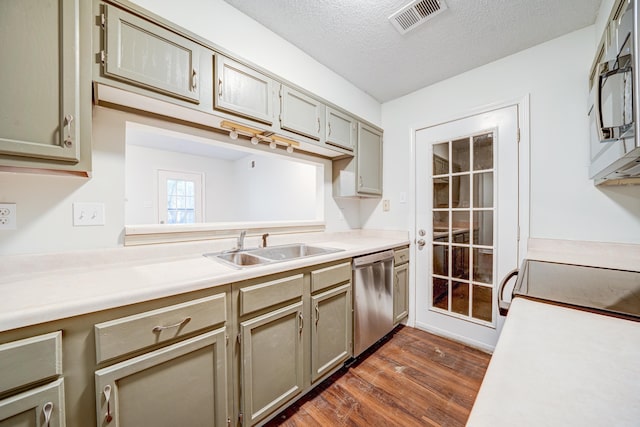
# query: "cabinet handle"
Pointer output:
{"type": "Point", "coordinates": [47, 409]}
{"type": "Point", "coordinates": [107, 398]}
{"type": "Point", "coordinates": [301, 321]}
{"type": "Point", "coordinates": [68, 140]}
{"type": "Point", "coordinates": [219, 88]}
{"type": "Point", "coordinates": [318, 124]}
{"type": "Point", "coordinates": [360, 181]}
{"type": "Point", "coordinates": [329, 129]}
{"type": "Point", "coordinates": [317, 314]}
{"type": "Point", "coordinates": [194, 79]}
{"type": "Point", "coordinates": [158, 329]}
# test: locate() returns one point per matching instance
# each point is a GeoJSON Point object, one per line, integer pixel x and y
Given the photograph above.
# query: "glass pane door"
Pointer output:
{"type": "Point", "coordinates": [463, 227]}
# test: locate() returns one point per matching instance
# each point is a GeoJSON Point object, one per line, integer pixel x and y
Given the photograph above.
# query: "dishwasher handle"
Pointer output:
{"type": "Point", "coordinates": [503, 306]}
{"type": "Point", "coordinates": [363, 261]}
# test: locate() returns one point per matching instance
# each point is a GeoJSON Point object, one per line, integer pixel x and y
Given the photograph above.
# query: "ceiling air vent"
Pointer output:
{"type": "Point", "coordinates": [415, 14]}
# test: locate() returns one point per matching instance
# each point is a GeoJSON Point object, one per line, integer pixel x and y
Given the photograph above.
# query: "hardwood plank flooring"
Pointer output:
{"type": "Point", "coordinates": [412, 379]}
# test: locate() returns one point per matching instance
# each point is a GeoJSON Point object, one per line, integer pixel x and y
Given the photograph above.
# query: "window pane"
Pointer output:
{"type": "Point", "coordinates": [483, 265]}
{"type": "Point", "coordinates": [440, 293]}
{"type": "Point", "coordinates": [483, 190]}
{"type": "Point", "coordinates": [441, 192]}
{"type": "Point", "coordinates": [441, 226]}
{"type": "Point", "coordinates": [171, 187]}
{"type": "Point", "coordinates": [180, 202]}
{"type": "Point", "coordinates": [189, 188]}
{"type": "Point", "coordinates": [483, 151]}
{"type": "Point", "coordinates": [460, 262]}
{"type": "Point", "coordinates": [460, 226]}
{"type": "Point", "coordinates": [460, 191]}
{"type": "Point", "coordinates": [180, 186]}
{"type": "Point", "coordinates": [441, 260]}
{"type": "Point", "coordinates": [460, 298]}
{"type": "Point", "coordinates": [190, 202]}
{"type": "Point", "coordinates": [482, 307]}
{"type": "Point", "coordinates": [483, 228]}
{"type": "Point", "coordinates": [441, 159]}
{"type": "Point", "coordinates": [460, 155]}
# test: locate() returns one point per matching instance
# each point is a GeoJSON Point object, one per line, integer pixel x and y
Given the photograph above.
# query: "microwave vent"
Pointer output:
{"type": "Point", "coordinates": [415, 14]}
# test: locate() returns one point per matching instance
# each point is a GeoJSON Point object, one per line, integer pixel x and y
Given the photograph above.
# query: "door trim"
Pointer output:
{"type": "Point", "coordinates": [524, 209]}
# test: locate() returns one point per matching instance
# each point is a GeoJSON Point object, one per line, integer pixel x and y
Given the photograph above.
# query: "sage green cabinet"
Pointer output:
{"type": "Point", "coordinates": [401, 285]}
{"type": "Point", "coordinates": [331, 330]}
{"type": "Point", "coordinates": [341, 129]}
{"type": "Point", "coordinates": [178, 385]}
{"type": "Point", "coordinates": [369, 160]}
{"type": "Point", "coordinates": [242, 90]}
{"type": "Point", "coordinates": [45, 101]}
{"type": "Point", "coordinates": [272, 357]}
{"type": "Point", "coordinates": [41, 406]}
{"type": "Point", "coordinates": [144, 54]}
{"type": "Point", "coordinates": [301, 113]}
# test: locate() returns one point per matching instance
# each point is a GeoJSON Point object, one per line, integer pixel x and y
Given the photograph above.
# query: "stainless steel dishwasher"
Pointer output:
{"type": "Point", "coordinates": [373, 299]}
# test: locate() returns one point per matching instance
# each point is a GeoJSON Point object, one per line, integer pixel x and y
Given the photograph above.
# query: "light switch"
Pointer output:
{"type": "Point", "coordinates": [86, 214]}
{"type": "Point", "coordinates": [386, 205]}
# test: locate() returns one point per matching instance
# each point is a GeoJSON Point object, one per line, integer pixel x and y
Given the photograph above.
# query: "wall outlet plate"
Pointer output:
{"type": "Point", "coordinates": [386, 205]}
{"type": "Point", "coordinates": [86, 214]}
{"type": "Point", "coordinates": [8, 216]}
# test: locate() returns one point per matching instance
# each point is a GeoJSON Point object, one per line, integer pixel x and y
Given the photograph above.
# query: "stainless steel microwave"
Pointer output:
{"type": "Point", "coordinates": [614, 100]}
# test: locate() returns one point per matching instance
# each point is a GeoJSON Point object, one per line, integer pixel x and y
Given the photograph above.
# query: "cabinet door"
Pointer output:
{"type": "Point", "coordinates": [41, 407]}
{"type": "Point", "coordinates": [300, 113]}
{"type": "Point", "coordinates": [341, 129]}
{"type": "Point", "coordinates": [369, 160]}
{"type": "Point", "coordinates": [272, 360]}
{"type": "Point", "coordinates": [184, 384]}
{"type": "Point", "coordinates": [401, 292]}
{"type": "Point", "coordinates": [330, 330]}
{"type": "Point", "coordinates": [243, 91]}
{"type": "Point", "coordinates": [39, 88]}
{"type": "Point", "coordinates": [147, 55]}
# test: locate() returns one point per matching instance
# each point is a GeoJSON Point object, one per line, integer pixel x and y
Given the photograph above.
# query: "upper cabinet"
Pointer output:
{"type": "Point", "coordinates": [369, 160]}
{"type": "Point", "coordinates": [45, 88]}
{"type": "Point", "coordinates": [300, 113]}
{"type": "Point", "coordinates": [243, 91]}
{"type": "Point", "coordinates": [341, 129]}
{"type": "Point", "coordinates": [144, 54]}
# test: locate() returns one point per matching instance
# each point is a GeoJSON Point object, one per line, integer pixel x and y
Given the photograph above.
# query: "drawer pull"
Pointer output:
{"type": "Point", "coordinates": [158, 329]}
{"type": "Point", "coordinates": [47, 409]}
{"type": "Point", "coordinates": [317, 314]}
{"type": "Point", "coordinates": [301, 321]}
{"type": "Point", "coordinates": [107, 398]}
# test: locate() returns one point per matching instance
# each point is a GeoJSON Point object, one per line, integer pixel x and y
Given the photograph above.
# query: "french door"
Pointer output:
{"type": "Point", "coordinates": [467, 223]}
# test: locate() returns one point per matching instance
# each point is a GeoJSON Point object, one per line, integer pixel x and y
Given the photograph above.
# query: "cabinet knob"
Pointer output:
{"type": "Point", "coordinates": [68, 140]}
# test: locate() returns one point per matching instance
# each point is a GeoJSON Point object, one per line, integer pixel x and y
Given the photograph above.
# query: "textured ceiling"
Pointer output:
{"type": "Point", "coordinates": [355, 39]}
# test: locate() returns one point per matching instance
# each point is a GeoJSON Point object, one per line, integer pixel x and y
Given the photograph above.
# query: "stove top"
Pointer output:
{"type": "Point", "coordinates": [605, 290]}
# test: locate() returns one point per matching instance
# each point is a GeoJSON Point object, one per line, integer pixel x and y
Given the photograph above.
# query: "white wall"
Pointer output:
{"type": "Point", "coordinates": [564, 203]}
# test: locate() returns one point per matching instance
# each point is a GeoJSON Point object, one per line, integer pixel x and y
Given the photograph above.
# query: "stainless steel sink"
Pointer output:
{"type": "Point", "coordinates": [261, 256]}
{"type": "Point", "coordinates": [293, 251]}
{"type": "Point", "coordinates": [239, 259]}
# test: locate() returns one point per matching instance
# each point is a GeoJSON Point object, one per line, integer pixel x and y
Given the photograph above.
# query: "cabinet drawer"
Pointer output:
{"type": "Point", "coordinates": [400, 256]}
{"type": "Point", "coordinates": [254, 298]}
{"type": "Point", "coordinates": [330, 276]}
{"type": "Point", "coordinates": [125, 335]}
{"type": "Point", "coordinates": [30, 360]}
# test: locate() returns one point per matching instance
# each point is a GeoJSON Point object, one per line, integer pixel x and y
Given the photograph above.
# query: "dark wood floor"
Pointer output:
{"type": "Point", "coordinates": [413, 379]}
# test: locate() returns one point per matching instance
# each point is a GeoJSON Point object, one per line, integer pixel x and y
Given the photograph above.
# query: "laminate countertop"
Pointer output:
{"type": "Point", "coordinates": [559, 366]}
{"type": "Point", "coordinates": [41, 288]}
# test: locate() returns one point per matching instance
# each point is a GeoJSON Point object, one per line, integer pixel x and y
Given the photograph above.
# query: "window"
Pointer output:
{"type": "Point", "coordinates": [180, 197]}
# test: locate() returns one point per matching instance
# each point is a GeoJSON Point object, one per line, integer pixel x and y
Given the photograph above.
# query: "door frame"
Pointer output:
{"type": "Point", "coordinates": [522, 104]}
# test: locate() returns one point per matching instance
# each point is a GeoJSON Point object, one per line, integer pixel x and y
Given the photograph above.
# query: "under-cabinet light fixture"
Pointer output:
{"type": "Point", "coordinates": [258, 136]}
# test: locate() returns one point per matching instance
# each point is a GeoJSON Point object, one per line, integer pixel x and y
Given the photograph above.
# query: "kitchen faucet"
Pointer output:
{"type": "Point", "coordinates": [240, 244]}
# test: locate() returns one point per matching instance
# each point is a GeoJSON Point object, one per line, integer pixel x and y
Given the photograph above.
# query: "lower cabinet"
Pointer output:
{"type": "Point", "coordinates": [400, 285]}
{"type": "Point", "coordinates": [182, 384]}
{"type": "Point", "coordinates": [272, 361]}
{"type": "Point", "coordinates": [35, 360]}
{"type": "Point", "coordinates": [330, 330]}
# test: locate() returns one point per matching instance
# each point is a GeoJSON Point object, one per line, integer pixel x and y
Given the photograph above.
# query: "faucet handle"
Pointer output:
{"type": "Point", "coordinates": [264, 240]}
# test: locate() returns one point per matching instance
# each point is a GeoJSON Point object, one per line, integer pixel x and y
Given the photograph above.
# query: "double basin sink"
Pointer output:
{"type": "Point", "coordinates": [261, 256]}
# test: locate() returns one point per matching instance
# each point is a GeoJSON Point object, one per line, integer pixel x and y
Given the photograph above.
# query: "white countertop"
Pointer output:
{"type": "Point", "coordinates": [557, 366]}
{"type": "Point", "coordinates": [41, 288]}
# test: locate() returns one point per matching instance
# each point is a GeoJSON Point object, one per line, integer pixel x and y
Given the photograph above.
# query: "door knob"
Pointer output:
{"type": "Point", "coordinates": [421, 243]}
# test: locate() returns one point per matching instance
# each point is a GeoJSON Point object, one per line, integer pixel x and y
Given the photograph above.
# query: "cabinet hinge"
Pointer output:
{"type": "Point", "coordinates": [518, 135]}
{"type": "Point", "coordinates": [229, 422]}
{"type": "Point", "coordinates": [226, 339]}
{"type": "Point", "coordinates": [103, 57]}
{"type": "Point", "coordinates": [103, 20]}
{"type": "Point", "coordinates": [518, 234]}
{"type": "Point", "coordinates": [240, 418]}
{"type": "Point", "coordinates": [239, 338]}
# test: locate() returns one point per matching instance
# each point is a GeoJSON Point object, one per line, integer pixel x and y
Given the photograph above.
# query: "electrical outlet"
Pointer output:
{"type": "Point", "coordinates": [85, 214]}
{"type": "Point", "coordinates": [7, 216]}
{"type": "Point", "coordinates": [386, 205]}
